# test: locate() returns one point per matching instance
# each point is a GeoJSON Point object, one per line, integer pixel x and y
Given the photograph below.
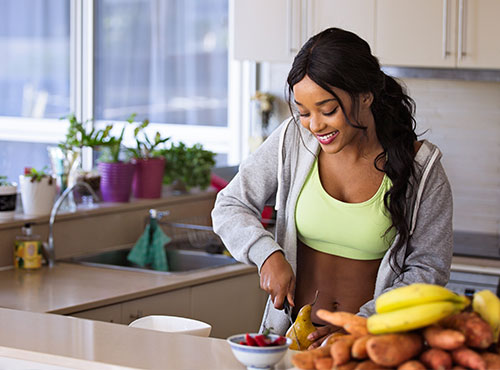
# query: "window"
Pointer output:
{"type": "Point", "coordinates": [34, 79]}
{"type": "Point", "coordinates": [166, 60]}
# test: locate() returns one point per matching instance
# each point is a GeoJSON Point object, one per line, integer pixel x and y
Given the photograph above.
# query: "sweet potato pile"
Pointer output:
{"type": "Point", "coordinates": [460, 341]}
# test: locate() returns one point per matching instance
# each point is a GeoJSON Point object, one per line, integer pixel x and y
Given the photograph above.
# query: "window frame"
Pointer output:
{"type": "Point", "coordinates": [229, 140]}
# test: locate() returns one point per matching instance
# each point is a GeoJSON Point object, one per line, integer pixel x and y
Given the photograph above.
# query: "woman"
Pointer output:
{"type": "Point", "coordinates": [362, 206]}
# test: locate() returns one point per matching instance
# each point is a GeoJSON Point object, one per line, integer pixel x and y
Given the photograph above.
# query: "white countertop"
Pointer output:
{"type": "Point", "coordinates": [28, 338]}
{"type": "Point", "coordinates": [67, 288]}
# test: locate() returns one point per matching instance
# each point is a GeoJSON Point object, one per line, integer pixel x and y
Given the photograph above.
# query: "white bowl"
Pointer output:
{"type": "Point", "coordinates": [257, 357]}
{"type": "Point", "coordinates": [173, 324]}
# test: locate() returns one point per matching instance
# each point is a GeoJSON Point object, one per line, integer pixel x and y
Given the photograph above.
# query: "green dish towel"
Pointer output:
{"type": "Point", "coordinates": [150, 248]}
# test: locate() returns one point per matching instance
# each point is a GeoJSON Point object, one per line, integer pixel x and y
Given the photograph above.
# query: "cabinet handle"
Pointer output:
{"type": "Point", "coordinates": [289, 22]}
{"type": "Point", "coordinates": [446, 52]}
{"type": "Point", "coordinates": [461, 29]}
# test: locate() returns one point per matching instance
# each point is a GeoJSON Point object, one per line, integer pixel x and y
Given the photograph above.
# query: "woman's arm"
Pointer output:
{"type": "Point", "coordinates": [236, 215]}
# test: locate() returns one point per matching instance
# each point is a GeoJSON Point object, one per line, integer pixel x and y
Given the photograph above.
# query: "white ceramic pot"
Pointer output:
{"type": "Point", "coordinates": [8, 197]}
{"type": "Point", "coordinates": [37, 197]}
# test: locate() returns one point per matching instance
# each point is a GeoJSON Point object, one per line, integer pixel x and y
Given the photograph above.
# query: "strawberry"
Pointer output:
{"type": "Point", "coordinates": [279, 341]}
{"type": "Point", "coordinates": [250, 340]}
{"type": "Point", "coordinates": [262, 340]}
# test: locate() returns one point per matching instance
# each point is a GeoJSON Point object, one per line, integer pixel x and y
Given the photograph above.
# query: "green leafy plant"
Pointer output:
{"type": "Point", "coordinates": [112, 148]}
{"type": "Point", "coordinates": [78, 136]}
{"type": "Point", "coordinates": [38, 175]}
{"type": "Point", "coordinates": [190, 165]}
{"type": "Point", "coordinates": [145, 147]}
{"type": "Point", "coordinates": [4, 181]}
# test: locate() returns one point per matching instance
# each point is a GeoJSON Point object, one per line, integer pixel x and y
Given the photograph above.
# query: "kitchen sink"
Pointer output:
{"type": "Point", "coordinates": [179, 260]}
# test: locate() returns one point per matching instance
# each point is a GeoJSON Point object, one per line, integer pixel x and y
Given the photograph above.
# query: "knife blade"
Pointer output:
{"type": "Point", "coordinates": [288, 313]}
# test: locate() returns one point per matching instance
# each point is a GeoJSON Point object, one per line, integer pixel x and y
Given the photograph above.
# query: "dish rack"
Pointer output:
{"type": "Point", "coordinates": [189, 233]}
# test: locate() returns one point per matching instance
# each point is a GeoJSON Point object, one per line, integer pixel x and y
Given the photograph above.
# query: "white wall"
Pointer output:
{"type": "Point", "coordinates": [463, 119]}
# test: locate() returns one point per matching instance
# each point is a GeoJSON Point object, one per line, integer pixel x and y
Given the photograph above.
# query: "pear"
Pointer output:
{"type": "Point", "coordinates": [301, 328]}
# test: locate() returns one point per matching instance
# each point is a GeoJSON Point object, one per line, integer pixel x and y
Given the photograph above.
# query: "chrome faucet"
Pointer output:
{"type": "Point", "coordinates": [53, 213]}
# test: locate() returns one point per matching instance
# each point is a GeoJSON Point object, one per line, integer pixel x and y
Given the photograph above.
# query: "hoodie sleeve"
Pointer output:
{"type": "Point", "coordinates": [236, 215]}
{"type": "Point", "coordinates": [427, 257]}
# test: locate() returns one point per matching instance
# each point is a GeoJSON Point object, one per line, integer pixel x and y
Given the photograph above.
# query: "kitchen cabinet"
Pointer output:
{"type": "Point", "coordinates": [430, 33]}
{"type": "Point", "coordinates": [173, 303]}
{"type": "Point", "coordinates": [274, 31]}
{"type": "Point", "coordinates": [111, 313]}
{"type": "Point", "coordinates": [231, 305]}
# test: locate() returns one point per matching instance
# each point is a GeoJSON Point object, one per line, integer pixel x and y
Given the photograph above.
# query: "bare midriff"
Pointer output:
{"type": "Point", "coordinates": [343, 284]}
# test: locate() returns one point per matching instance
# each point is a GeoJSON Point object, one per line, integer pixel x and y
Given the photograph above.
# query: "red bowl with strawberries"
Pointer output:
{"type": "Point", "coordinates": [259, 351]}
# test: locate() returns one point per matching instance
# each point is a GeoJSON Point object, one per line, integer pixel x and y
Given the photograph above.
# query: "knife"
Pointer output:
{"type": "Point", "coordinates": [288, 313]}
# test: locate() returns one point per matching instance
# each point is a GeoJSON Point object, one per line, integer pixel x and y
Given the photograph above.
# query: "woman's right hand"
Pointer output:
{"type": "Point", "coordinates": [277, 279]}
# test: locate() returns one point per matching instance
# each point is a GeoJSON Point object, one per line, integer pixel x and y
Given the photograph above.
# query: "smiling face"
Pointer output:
{"type": "Point", "coordinates": [322, 115]}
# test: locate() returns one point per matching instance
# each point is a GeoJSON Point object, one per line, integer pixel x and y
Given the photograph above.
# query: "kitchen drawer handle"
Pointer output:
{"type": "Point", "coordinates": [446, 52]}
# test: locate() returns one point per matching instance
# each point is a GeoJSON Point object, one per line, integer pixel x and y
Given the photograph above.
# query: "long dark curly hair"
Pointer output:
{"type": "Point", "coordinates": [341, 59]}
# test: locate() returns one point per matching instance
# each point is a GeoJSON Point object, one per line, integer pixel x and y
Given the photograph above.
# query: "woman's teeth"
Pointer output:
{"type": "Point", "coordinates": [327, 136]}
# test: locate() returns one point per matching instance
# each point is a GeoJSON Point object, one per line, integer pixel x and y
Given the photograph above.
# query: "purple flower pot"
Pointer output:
{"type": "Point", "coordinates": [116, 181]}
{"type": "Point", "coordinates": [148, 177]}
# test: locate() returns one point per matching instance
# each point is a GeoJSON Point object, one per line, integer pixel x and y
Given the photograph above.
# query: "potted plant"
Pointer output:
{"type": "Point", "coordinates": [8, 197]}
{"type": "Point", "coordinates": [116, 174]}
{"type": "Point", "coordinates": [187, 167]}
{"type": "Point", "coordinates": [149, 163]}
{"type": "Point", "coordinates": [38, 191]}
{"type": "Point", "coordinates": [66, 156]}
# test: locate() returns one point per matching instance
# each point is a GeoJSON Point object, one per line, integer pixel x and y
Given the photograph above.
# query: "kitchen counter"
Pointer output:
{"type": "Point", "coordinates": [67, 288]}
{"type": "Point", "coordinates": [55, 341]}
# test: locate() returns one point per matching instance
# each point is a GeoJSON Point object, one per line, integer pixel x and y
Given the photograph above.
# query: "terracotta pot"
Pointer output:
{"type": "Point", "coordinates": [116, 181]}
{"type": "Point", "coordinates": [148, 177]}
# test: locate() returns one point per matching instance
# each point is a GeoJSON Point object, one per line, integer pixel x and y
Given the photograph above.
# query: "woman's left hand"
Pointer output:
{"type": "Point", "coordinates": [321, 334]}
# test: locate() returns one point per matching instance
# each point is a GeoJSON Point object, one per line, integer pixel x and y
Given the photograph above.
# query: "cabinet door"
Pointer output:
{"type": "Point", "coordinates": [231, 306]}
{"type": "Point", "coordinates": [479, 34]}
{"type": "Point", "coordinates": [265, 30]}
{"type": "Point", "coordinates": [174, 303]}
{"type": "Point", "coordinates": [416, 33]}
{"type": "Point", "coordinates": [112, 313]}
{"type": "Point", "coordinates": [357, 16]}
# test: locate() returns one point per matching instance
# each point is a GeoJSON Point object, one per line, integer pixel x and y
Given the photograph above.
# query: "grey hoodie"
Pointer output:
{"type": "Point", "coordinates": [274, 175]}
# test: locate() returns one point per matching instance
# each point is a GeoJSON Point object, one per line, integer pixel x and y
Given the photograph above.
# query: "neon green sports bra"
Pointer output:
{"type": "Point", "coordinates": [351, 230]}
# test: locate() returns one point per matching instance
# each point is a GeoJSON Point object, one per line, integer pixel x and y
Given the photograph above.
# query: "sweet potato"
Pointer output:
{"type": "Point", "coordinates": [356, 329]}
{"type": "Point", "coordinates": [358, 349]}
{"type": "Point", "coordinates": [351, 365]}
{"type": "Point", "coordinates": [478, 333]}
{"type": "Point", "coordinates": [393, 349]}
{"type": "Point", "coordinates": [341, 318]}
{"type": "Point", "coordinates": [468, 358]}
{"type": "Point", "coordinates": [332, 338]}
{"type": "Point", "coordinates": [340, 350]}
{"type": "Point", "coordinates": [438, 337]}
{"type": "Point", "coordinates": [411, 365]}
{"type": "Point", "coordinates": [305, 359]}
{"type": "Point", "coordinates": [323, 363]}
{"type": "Point", "coordinates": [492, 360]}
{"type": "Point", "coordinates": [368, 365]}
{"type": "Point", "coordinates": [436, 359]}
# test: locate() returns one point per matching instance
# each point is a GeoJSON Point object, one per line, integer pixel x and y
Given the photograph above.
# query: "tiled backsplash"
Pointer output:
{"type": "Point", "coordinates": [463, 119]}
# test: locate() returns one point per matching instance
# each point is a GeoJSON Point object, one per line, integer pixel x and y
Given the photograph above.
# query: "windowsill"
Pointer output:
{"type": "Point", "coordinates": [102, 208]}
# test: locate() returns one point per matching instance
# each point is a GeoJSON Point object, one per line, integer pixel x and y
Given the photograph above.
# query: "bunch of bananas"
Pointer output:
{"type": "Point", "coordinates": [487, 305]}
{"type": "Point", "coordinates": [413, 306]}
